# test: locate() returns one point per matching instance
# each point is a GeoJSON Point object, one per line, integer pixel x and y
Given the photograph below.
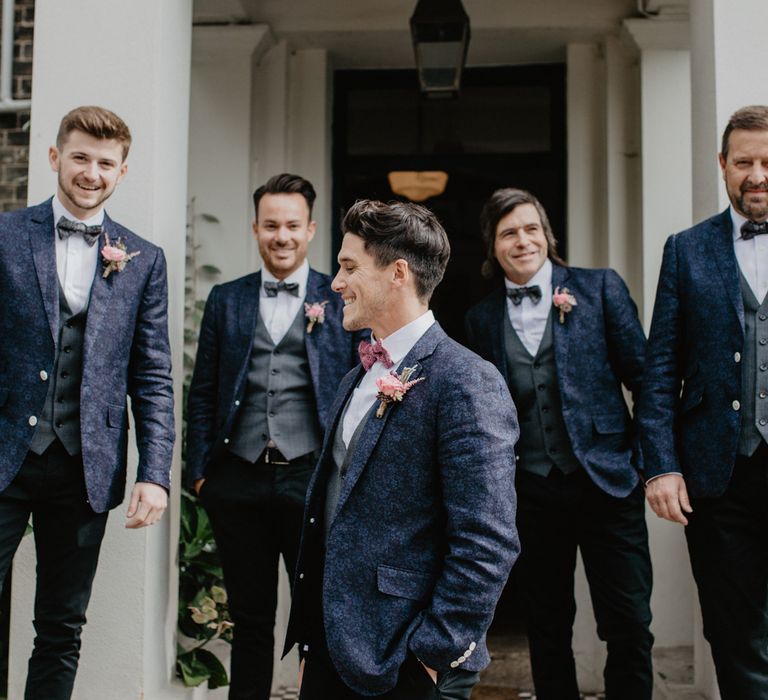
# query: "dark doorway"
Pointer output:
{"type": "Point", "coordinates": [506, 128]}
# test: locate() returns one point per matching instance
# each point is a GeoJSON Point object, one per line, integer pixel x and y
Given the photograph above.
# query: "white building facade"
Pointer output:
{"type": "Point", "coordinates": [221, 94]}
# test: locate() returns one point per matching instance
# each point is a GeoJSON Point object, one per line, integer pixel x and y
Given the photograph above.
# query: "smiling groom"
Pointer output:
{"type": "Point", "coordinates": [409, 529]}
{"type": "Point", "coordinates": [83, 324]}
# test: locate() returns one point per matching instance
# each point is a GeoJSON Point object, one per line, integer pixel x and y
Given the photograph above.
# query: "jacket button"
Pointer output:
{"type": "Point", "coordinates": [763, 341]}
{"type": "Point", "coordinates": [454, 664]}
{"type": "Point", "coordinates": [763, 421]}
{"type": "Point", "coordinates": [301, 576]}
{"type": "Point", "coordinates": [472, 646]}
{"type": "Point", "coordinates": [736, 405]}
{"type": "Point", "coordinates": [226, 441]}
{"type": "Point", "coordinates": [43, 375]}
{"type": "Point", "coordinates": [32, 421]}
{"type": "Point", "coordinates": [237, 403]}
{"type": "Point", "coordinates": [737, 357]}
{"type": "Point", "coordinates": [762, 394]}
{"type": "Point", "coordinates": [311, 521]}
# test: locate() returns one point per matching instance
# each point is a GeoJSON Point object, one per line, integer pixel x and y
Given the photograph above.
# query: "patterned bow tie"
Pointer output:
{"type": "Point", "coordinates": [272, 288]}
{"type": "Point", "coordinates": [370, 353]}
{"type": "Point", "coordinates": [750, 229]}
{"type": "Point", "coordinates": [67, 228]}
{"type": "Point", "coordinates": [517, 294]}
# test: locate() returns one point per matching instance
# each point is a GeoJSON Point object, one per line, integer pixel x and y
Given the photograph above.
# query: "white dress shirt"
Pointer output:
{"type": "Point", "coordinates": [528, 319]}
{"type": "Point", "coordinates": [76, 261]}
{"type": "Point", "coordinates": [398, 345]}
{"type": "Point", "coordinates": [752, 256]}
{"type": "Point", "coordinates": [279, 312]}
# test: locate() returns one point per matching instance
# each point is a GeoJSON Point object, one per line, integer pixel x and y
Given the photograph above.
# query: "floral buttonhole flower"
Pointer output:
{"type": "Point", "coordinates": [393, 387]}
{"type": "Point", "coordinates": [115, 256]}
{"type": "Point", "coordinates": [314, 313]}
{"type": "Point", "coordinates": [564, 302]}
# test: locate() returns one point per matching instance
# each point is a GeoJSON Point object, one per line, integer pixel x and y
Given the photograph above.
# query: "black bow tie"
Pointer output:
{"type": "Point", "coordinates": [272, 288]}
{"type": "Point", "coordinates": [750, 229]}
{"type": "Point", "coordinates": [517, 294]}
{"type": "Point", "coordinates": [67, 228]}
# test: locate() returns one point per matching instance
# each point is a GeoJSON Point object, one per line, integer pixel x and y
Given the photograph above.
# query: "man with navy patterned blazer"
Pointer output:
{"type": "Point", "coordinates": [271, 355]}
{"type": "Point", "coordinates": [83, 324]}
{"type": "Point", "coordinates": [566, 339]}
{"type": "Point", "coordinates": [409, 530]}
{"type": "Point", "coordinates": [706, 457]}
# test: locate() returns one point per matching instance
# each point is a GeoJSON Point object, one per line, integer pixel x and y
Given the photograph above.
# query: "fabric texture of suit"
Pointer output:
{"type": "Point", "coordinates": [597, 509]}
{"type": "Point", "coordinates": [423, 537]}
{"type": "Point", "coordinates": [690, 417]}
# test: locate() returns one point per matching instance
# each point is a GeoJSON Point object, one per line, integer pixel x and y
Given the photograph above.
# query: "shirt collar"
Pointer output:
{"type": "Point", "coordinates": [301, 275]}
{"type": "Point", "coordinates": [399, 343]}
{"type": "Point", "coordinates": [60, 210]}
{"type": "Point", "coordinates": [543, 278]}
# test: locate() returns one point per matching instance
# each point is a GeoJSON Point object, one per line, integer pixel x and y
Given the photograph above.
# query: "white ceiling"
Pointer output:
{"type": "Point", "coordinates": [375, 33]}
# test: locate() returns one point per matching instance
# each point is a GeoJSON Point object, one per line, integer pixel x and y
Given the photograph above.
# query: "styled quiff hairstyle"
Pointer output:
{"type": "Point", "coordinates": [752, 118]}
{"type": "Point", "coordinates": [500, 203]}
{"type": "Point", "coordinates": [401, 230]}
{"type": "Point", "coordinates": [285, 184]}
{"type": "Point", "coordinates": [97, 122]}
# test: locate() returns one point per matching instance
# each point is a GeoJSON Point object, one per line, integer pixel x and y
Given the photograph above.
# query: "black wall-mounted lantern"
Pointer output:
{"type": "Point", "coordinates": [440, 32]}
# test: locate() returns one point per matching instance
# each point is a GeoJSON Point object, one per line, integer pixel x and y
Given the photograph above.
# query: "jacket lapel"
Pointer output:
{"type": "Point", "coordinates": [723, 259]}
{"type": "Point", "coordinates": [374, 427]}
{"type": "Point", "coordinates": [42, 241]}
{"type": "Point", "coordinates": [101, 289]}
{"type": "Point", "coordinates": [317, 291]}
{"type": "Point", "coordinates": [496, 330]}
{"type": "Point", "coordinates": [248, 306]}
{"type": "Point", "coordinates": [561, 332]}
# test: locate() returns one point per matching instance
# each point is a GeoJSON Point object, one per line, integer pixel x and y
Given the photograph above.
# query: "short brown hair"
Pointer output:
{"type": "Point", "coordinates": [286, 184]}
{"type": "Point", "coordinates": [752, 118]}
{"type": "Point", "coordinates": [402, 230]}
{"type": "Point", "coordinates": [97, 122]}
{"type": "Point", "coordinates": [501, 203]}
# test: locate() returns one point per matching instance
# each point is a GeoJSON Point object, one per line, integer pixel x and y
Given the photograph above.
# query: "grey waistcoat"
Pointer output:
{"type": "Point", "coordinates": [60, 416]}
{"type": "Point", "coordinates": [754, 373]}
{"type": "Point", "coordinates": [544, 441]}
{"type": "Point", "coordinates": [279, 400]}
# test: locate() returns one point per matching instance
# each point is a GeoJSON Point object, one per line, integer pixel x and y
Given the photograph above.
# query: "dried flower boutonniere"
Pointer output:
{"type": "Point", "coordinates": [315, 313]}
{"type": "Point", "coordinates": [115, 257]}
{"type": "Point", "coordinates": [564, 302]}
{"type": "Point", "coordinates": [393, 387]}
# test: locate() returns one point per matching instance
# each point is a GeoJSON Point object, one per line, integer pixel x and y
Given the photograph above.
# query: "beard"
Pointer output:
{"type": "Point", "coordinates": [754, 208]}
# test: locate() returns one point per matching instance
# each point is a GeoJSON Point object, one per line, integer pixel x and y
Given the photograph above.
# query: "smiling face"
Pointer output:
{"type": "Point", "coordinates": [521, 246]}
{"type": "Point", "coordinates": [88, 170]}
{"type": "Point", "coordinates": [745, 171]}
{"type": "Point", "coordinates": [283, 231]}
{"type": "Point", "coordinates": [364, 287]}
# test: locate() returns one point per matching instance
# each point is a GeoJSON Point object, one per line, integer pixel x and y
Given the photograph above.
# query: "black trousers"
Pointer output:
{"type": "Point", "coordinates": [322, 682]}
{"type": "Point", "coordinates": [727, 543]}
{"type": "Point", "coordinates": [556, 516]}
{"type": "Point", "coordinates": [256, 512]}
{"type": "Point", "coordinates": [51, 488]}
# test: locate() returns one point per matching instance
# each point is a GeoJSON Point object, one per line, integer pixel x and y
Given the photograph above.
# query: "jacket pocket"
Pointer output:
{"type": "Point", "coordinates": [609, 423]}
{"type": "Point", "coordinates": [404, 583]}
{"type": "Point", "coordinates": [115, 416]}
{"type": "Point", "coordinates": [693, 395]}
{"type": "Point", "coordinates": [3, 395]}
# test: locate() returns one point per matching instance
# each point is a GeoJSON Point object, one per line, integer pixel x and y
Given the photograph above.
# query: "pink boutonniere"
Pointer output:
{"type": "Point", "coordinates": [393, 387]}
{"type": "Point", "coordinates": [115, 256]}
{"type": "Point", "coordinates": [564, 301]}
{"type": "Point", "coordinates": [315, 313]}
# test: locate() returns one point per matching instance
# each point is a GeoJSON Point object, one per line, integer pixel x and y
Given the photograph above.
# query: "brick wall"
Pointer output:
{"type": "Point", "coordinates": [14, 126]}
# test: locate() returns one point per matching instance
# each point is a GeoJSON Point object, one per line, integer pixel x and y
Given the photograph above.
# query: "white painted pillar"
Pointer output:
{"type": "Point", "coordinates": [134, 59]}
{"type": "Point", "coordinates": [727, 43]}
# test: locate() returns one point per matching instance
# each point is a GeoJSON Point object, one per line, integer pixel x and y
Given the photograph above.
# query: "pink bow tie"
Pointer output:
{"type": "Point", "coordinates": [372, 353]}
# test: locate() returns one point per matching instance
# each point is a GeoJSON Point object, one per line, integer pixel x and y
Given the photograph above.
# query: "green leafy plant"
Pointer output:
{"type": "Point", "coordinates": [203, 614]}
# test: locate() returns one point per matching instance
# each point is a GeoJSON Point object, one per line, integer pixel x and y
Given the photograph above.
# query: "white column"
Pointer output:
{"type": "Point", "coordinates": [132, 58]}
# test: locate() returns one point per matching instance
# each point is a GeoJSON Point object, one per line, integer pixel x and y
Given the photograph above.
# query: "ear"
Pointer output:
{"type": "Point", "coordinates": [311, 230]}
{"type": "Point", "coordinates": [255, 227]}
{"type": "Point", "coordinates": [401, 272]}
{"type": "Point", "coordinates": [123, 171]}
{"type": "Point", "coordinates": [53, 158]}
{"type": "Point", "coordinates": [721, 159]}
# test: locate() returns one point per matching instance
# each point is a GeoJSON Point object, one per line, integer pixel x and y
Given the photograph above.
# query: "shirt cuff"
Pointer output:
{"type": "Point", "coordinates": [648, 481]}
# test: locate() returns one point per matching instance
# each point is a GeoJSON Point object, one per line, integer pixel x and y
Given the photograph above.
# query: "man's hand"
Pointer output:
{"type": "Point", "coordinates": [668, 497]}
{"type": "Point", "coordinates": [148, 503]}
{"type": "Point", "coordinates": [198, 485]}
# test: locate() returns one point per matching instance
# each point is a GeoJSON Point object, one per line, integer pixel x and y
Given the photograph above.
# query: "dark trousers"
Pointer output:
{"type": "Point", "coordinates": [729, 557]}
{"type": "Point", "coordinates": [556, 515]}
{"type": "Point", "coordinates": [256, 512]}
{"type": "Point", "coordinates": [322, 682]}
{"type": "Point", "coordinates": [51, 488]}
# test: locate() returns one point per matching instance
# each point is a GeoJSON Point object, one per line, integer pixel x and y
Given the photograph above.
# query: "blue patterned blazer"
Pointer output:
{"type": "Point", "coordinates": [696, 333]}
{"type": "Point", "coordinates": [600, 346]}
{"type": "Point", "coordinates": [424, 534]}
{"type": "Point", "coordinates": [126, 352]}
{"type": "Point", "coordinates": [221, 369]}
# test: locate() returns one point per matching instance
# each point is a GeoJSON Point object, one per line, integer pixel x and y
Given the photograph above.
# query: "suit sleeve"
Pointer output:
{"type": "Point", "coordinates": [150, 385]}
{"type": "Point", "coordinates": [203, 393]}
{"type": "Point", "coordinates": [476, 461]}
{"type": "Point", "coordinates": [662, 382]}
